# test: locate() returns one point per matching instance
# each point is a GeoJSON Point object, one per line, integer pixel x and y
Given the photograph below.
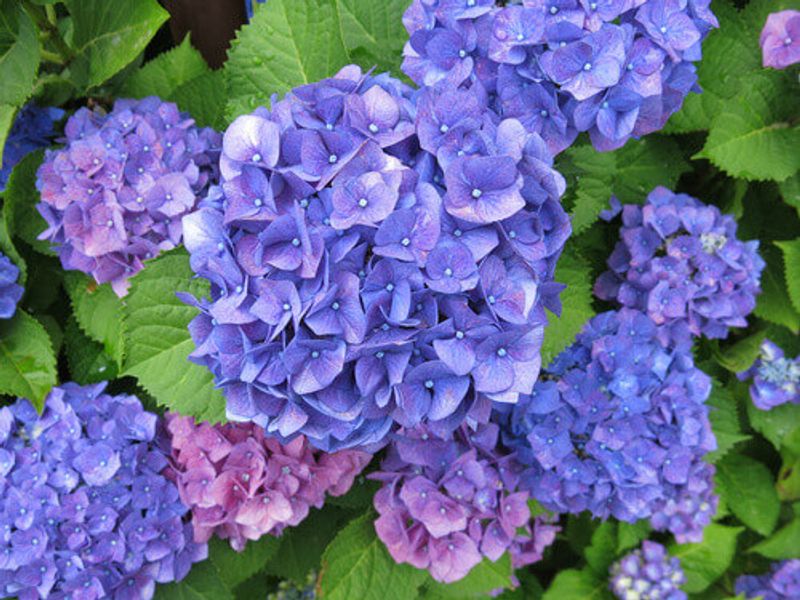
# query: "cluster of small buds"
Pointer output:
{"type": "Point", "coordinates": [10, 291]}
{"type": "Point", "coordinates": [375, 262]}
{"type": "Point", "coordinates": [33, 128]}
{"type": "Point", "coordinates": [780, 39]}
{"type": "Point", "coordinates": [776, 379]}
{"type": "Point", "coordinates": [679, 261]}
{"type": "Point", "coordinates": [614, 68]}
{"type": "Point", "coordinates": [618, 426]}
{"type": "Point", "coordinates": [446, 504]}
{"type": "Point", "coordinates": [115, 195]}
{"type": "Point", "coordinates": [781, 583]}
{"type": "Point", "coordinates": [648, 573]}
{"type": "Point", "coordinates": [87, 511]}
{"type": "Point", "coordinates": [290, 590]}
{"type": "Point", "coordinates": [241, 485]}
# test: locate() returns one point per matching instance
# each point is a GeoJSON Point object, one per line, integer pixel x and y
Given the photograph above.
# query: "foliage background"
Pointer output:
{"type": "Point", "coordinates": [736, 146]}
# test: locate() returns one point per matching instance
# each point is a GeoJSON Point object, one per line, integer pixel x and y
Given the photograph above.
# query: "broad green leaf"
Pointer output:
{"type": "Point", "coordinates": [7, 247]}
{"type": "Point", "coordinates": [99, 312]}
{"type": "Point", "coordinates": [21, 198]}
{"type": "Point", "coordinates": [235, 567]}
{"type": "Point", "coordinates": [27, 360]}
{"type": "Point", "coordinates": [357, 565]}
{"type": "Point", "coordinates": [374, 33]}
{"type": "Point", "coordinates": [204, 582]}
{"type": "Point", "coordinates": [705, 562]}
{"type": "Point", "coordinates": [485, 577]}
{"type": "Point", "coordinates": [7, 113]}
{"type": "Point", "coordinates": [157, 340]}
{"type": "Point", "coordinates": [791, 265]}
{"type": "Point", "coordinates": [108, 36]}
{"type": "Point", "coordinates": [724, 417]}
{"type": "Point", "coordinates": [360, 495]}
{"type": "Point", "coordinates": [602, 551]}
{"type": "Point", "coordinates": [86, 358]}
{"type": "Point", "coordinates": [773, 304]}
{"type": "Point", "coordinates": [593, 184]}
{"type": "Point", "coordinates": [204, 99]}
{"type": "Point", "coordinates": [286, 44]}
{"type": "Point", "coordinates": [778, 425]}
{"type": "Point", "coordinates": [165, 73]}
{"type": "Point", "coordinates": [571, 583]}
{"type": "Point", "coordinates": [790, 191]}
{"type": "Point", "coordinates": [19, 54]}
{"type": "Point", "coordinates": [788, 485]}
{"type": "Point", "coordinates": [630, 535]}
{"type": "Point", "coordinates": [784, 544]}
{"type": "Point", "coordinates": [576, 306]}
{"type": "Point", "coordinates": [741, 355]}
{"type": "Point", "coordinates": [749, 492]}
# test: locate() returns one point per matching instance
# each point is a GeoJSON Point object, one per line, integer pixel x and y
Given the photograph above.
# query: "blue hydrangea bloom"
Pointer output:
{"type": "Point", "coordinates": [33, 128]}
{"type": "Point", "coordinates": [377, 258]}
{"type": "Point", "coordinates": [648, 573]}
{"type": "Point", "coordinates": [781, 583]}
{"type": "Point", "coordinates": [88, 511]}
{"type": "Point", "coordinates": [613, 68]}
{"type": "Point", "coordinates": [776, 379]}
{"type": "Point", "coordinates": [10, 291]}
{"type": "Point", "coordinates": [618, 426]}
{"type": "Point", "coordinates": [679, 260]}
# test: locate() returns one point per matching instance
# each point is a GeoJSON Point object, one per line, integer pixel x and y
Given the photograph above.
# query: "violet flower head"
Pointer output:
{"type": "Point", "coordinates": [447, 504]}
{"type": "Point", "coordinates": [780, 39]}
{"type": "Point", "coordinates": [776, 379]}
{"type": "Point", "coordinates": [620, 428]}
{"type": "Point", "coordinates": [114, 196]}
{"type": "Point", "coordinates": [613, 68]}
{"type": "Point", "coordinates": [679, 260]}
{"type": "Point", "coordinates": [648, 573]}
{"type": "Point", "coordinates": [241, 485]}
{"type": "Point", "coordinates": [10, 291]}
{"type": "Point", "coordinates": [88, 506]}
{"type": "Point", "coordinates": [781, 583]}
{"type": "Point", "coordinates": [34, 127]}
{"type": "Point", "coordinates": [377, 258]}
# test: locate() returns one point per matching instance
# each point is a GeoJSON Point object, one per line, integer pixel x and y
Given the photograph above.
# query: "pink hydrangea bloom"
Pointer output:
{"type": "Point", "coordinates": [780, 39]}
{"type": "Point", "coordinates": [241, 485]}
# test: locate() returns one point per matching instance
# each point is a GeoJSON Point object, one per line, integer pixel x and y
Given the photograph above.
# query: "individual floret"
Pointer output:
{"type": "Point", "coordinates": [776, 379]}
{"type": "Point", "coordinates": [114, 196]}
{"type": "Point", "coordinates": [33, 128]}
{"type": "Point", "coordinates": [780, 39]}
{"type": "Point", "coordinates": [241, 485]}
{"type": "Point", "coordinates": [10, 291]}
{"type": "Point", "coordinates": [375, 262]}
{"type": "Point", "coordinates": [648, 573]}
{"type": "Point", "coordinates": [447, 504]}
{"type": "Point", "coordinates": [87, 510]}
{"type": "Point", "coordinates": [781, 583]}
{"type": "Point", "coordinates": [679, 260]}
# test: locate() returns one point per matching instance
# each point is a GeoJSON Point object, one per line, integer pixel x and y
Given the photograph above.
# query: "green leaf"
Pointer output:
{"type": "Point", "coordinates": [27, 360]}
{"type": "Point", "coordinates": [87, 360]}
{"type": "Point", "coordinates": [360, 495]}
{"type": "Point", "coordinates": [791, 265]}
{"type": "Point", "coordinates": [593, 186]}
{"type": "Point", "coordinates": [286, 44]}
{"type": "Point", "coordinates": [485, 577]}
{"type": "Point", "coordinates": [724, 417]}
{"type": "Point", "coordinates": [790, 191]}
{"type": "Point", "coordinates": [778, 425]}
{"type": "Point", "coordinates": [19, 54]}
{"type": "Point", "coordinates": [204, 98]}
{"type": "Point", "coordinates": [576, 301]}
{"type": "Point", "coordinates": [602, 551]}
{"type": "Point", "coordinates": [784, 544]}
{"type": "Point", "coordinates": [749, 492]}
{"type": "Point", "coordinates": [7, 247]}
{"type": "Point", "coordinates": [357, 565]}
{"type": "Point", "coordinates": [374, 33]}
{"type": "Point", "coordinates": [705, 562]}
{"type": "Point", "coordinates": [236, 567]}
{"type": "Point", "coordinates": [21, 198]}
{"type": "Point", "coordinates": [204, 582]}
{"type": "Point", "coordinates": [630, 535]}
{"type": "Point", "coordinates": [108, 36]}
{"type": "Point", "coordinates": [99, 312]}
{"type": "Point", "coordinates": [7, 113]}
{"type": "Point", "coordinates": [773, 304]}
{"type": "Point", "coordinates": [165, 73]}
{"type": "Point", "coordinates": [741, 355]}
{"type": "Point", "coordinates": [576, 584]}
{"type": "Point", "coordinates": [158, 341]}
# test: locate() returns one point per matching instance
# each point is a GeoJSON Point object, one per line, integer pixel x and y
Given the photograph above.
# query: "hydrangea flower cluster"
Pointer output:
{"type": "Point", "coordinates": [679, 261]}
{"type": "Point", "coordinates": [776, 379]}
{"type": "Point", "coordinates": [648, 573]}
{"type": "Point", "coordinates": [614, 68]}
{"type": "Point", "coordinates": [241, 485]}
{"type": "Point", "coordinates": [33, 128]}
{"type": "Point", "coordinates": [446, 504]}
{"type": "Point", "coordinates": [375, 261]}
{"type": "Point", "coordinates": [115, 195]}
{"type": "Point", "coordinates": [619, 427]}
{"type": "Point", "coordinates": [781, 583]}
{"type": "Point", "coordinates": [87, 511]}
{"type": "Point", "coordinates": [780, 39]}
{"type": "Point", "coordinates": [10, 291]}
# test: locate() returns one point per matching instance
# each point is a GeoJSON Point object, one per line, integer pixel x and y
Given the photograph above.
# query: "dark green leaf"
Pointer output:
{"type": "Point", "coordinates": [165, 73]}
{"type": "Point", "coordinates": [87, 360]}
{"type": "Point", "coordinates": [204, 98]}
{"type": "Point", "coordinates": [724, 417]}
{"type": "Point", "coordinates": [791, 266]}
{"type": "Point", "coordinates": [602, 551]}
{"type": "Point", "coordinates": [485, 577]}
{"type": "Point", "coordinates": [19, 55]}
{"type": "Point", "coordinates": [749, 492]}
{"type": "Point", "coordinates": [99, 312]}
{"type": "Point", "coordinates": [203, 582]}
{"type": "Point", "coordinates": [27, 360]}
{"type": "Point", "coordinates": [575, 584]}
{"type": "Point", "coordinates": [784, 544]}
{"type": "Point", "coordinates": [778, 425]}
{"type": "Point", "coordinates": [374, 33]}
{"type": "Point", "coordinates": [21, 197]}
{"type": "Point", "coordinates": [705, 562]}
{"type": "Point", "coordinates": [235, 567]}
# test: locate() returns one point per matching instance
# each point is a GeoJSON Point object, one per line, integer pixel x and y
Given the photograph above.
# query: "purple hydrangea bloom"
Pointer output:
{"type": "Point", "coordinates": [88, 510]}
{"type": "Point", "coordinates": [33, 128]}
{"type": "Point", "coordinates": [447, 504]}
{"type": "Point", "coordinates": [115, 195]}
{"type": "Point", "coordinates": [614, 68]}
{"type": "Point", "coordinates": [776, 379]}
{"type": "Point", "coordinates": [241, 485]}
{"type": "Point", "coordinates": [679, 260]}
{"type": "Point", "coordinates": [377, 258]}
{"type": "Point", "coordinates": [780, 39]}
{"type": "Point", "coordinates": [619, 427]}
{"type": "Point", "coordinates": [10, 291]}
{"type": "Point", "coordinates": [781, 583]}
{"type": "Point", "coordinates": [648, 573]}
